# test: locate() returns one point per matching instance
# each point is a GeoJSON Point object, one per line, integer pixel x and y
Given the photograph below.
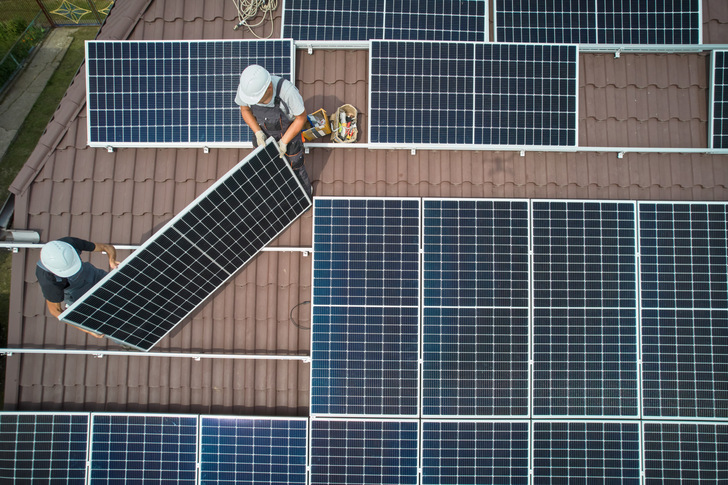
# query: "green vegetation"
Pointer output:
{"type": "Point", "coordinates": [21, 148]}
{"type": "Point", "coordinates": [17, 38]}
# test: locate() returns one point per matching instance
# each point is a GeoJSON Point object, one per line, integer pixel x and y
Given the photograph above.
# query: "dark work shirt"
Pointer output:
{"type": "Point", "coordinates": [51, 285]}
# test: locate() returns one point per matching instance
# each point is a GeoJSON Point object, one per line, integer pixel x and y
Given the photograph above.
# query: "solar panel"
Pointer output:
{"type": "Point", "coordinates": [546, 21]}
{"type": "Point", "coordinates": [473, 452]}
{"type": "Point", "coordinates": [436, 20]}
{"type": "Point", "coordinates": [173, 93]}
{"type": "Point", "coordinates": [138, 448]}
{"type": "Point", "coordinates": [684, 255]}
{"type": "Point", "coordinates": [349, 452]}
{"type": "Point", "coordinates": [253, 450]}
{"type": "Point", "coordinates": [719, 100]}
{"type": "Point", "coordinates": [685, 452]}
{"type": "Point", "coordinates": [195, 253]}
{"type": "Point", "coordinates": [598, 22]}
{"type": "Point", "coordinates": [585, 308]}
{"type": "Point", "coordinates": [348, 20]}
{"type": "Point", "coordinates": [365, 307]}
{"type": "Point", "coordinates": [654, 22]}
{"type": "Point", "coordinates": [449, 93]}
{"type": "Point", "coordinates": [586, 452]}
{"type": "Point", "coordinates": [48, 448]}
{"type": "Point", "coordinates": [475, 316]}
{"type": "Point", "coordinates": [525, 95]}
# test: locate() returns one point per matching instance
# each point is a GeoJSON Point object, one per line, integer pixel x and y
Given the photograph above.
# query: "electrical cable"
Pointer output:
{"type": "Point", "coordinates": [248, 9]}
{"type": "Point", "coordinates": [293, 321]}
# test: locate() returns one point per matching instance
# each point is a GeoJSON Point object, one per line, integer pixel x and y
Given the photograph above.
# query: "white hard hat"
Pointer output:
{"type": "Point", "coordinates": [253, 82]}
{"type": "Point", "coordinates": [60, 259]}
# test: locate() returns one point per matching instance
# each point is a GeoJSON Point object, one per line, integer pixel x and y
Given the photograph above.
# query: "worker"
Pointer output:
{"type": "Point", "coordinates": [272, 106]}
{"type": "Point", "coordinates": [64, 278]}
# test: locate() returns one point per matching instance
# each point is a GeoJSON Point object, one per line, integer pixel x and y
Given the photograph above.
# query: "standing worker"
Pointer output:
{"type": "Point", "coordinates": [63, 277]}
{"type": "Point", "coordinates": [272, 106]}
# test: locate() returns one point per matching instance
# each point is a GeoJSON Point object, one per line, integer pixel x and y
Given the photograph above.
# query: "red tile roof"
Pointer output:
{"type": "Point", "coordinates": [67, 188]}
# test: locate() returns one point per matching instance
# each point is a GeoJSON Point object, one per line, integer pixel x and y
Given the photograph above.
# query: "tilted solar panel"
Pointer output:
{"type": "Point", "coordinates": [685, 452]}
{"type": "Point", "coordinates": [475, 315]}
{"type": "Point", "coordinates": [143, 449]}
{"type": "Point", "coordinates": [719, 100]}
{"type": "Point", "coordinates": [43, 448]}
{"type": "Point", "coordinates": [474, 452]}
{"type": "Point", "coordinates": [586, 452]}
{"type": "Point", "coordinates": [482, 94]}
{"type": "Point", "coordinates": [365, 307]}
{"type": "Point", "coordinates": [173, 93]}
{"type": "Point", "coordinates": [348, 452]}
{"type": "Point", "coordinates": [251, 451]}
{"type": "Point", "coordinates": [656, 22]}
{"type": "Point", "coordinates": [182, 264]}
{"type": "Point", "coordinates": [683, 261]}
{"type": "Point", "coordinates": [584, 308]}
{"type": "Point", "coordinates": [355, 20]}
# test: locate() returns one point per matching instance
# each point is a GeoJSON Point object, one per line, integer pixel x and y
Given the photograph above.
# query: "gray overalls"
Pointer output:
{"type": "Point", "coordinates": [274, 122]}
{"type": "Point", "coordinates": [78, 284]}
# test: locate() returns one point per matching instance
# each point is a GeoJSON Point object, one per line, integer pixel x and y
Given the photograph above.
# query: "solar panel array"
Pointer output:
{"type": "Point", "coordinates": [152, 448]}
{"type": "Point", "coordinates": [454, 93]}
{"type": "Point", "coordinates": [183, 263]}
{"type": "Point", "coordinates": [580, 325]}
{"type": "Point", "coordinates": [599, 22]}
{"type": "Point", "coordinates": [174, 93]}
{"type": "Point", "coordinates": [719, 100]}
{"type": "Point", "coordinates": [350, 20]}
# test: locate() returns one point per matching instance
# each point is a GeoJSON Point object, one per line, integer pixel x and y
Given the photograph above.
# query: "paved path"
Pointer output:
{"type": "Point", "coordinates": [18, 100]}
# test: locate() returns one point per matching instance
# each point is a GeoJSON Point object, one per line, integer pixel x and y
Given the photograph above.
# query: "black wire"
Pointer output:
{"type": "Point", "coordinates": [293, 321]}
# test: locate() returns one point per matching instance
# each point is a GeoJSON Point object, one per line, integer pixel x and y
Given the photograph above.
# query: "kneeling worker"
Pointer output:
{"type": "Point", "coordinates": [63, 277]}
{"type": "Point", "coordinates": [272, 106]}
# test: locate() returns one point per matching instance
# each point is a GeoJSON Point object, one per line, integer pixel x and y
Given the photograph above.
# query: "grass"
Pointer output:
{"type": "Point", "coordinates": [21, 148]}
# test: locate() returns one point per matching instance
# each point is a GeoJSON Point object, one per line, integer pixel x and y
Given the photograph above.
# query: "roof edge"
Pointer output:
{"type": "Point", "coordinates": [119, 25]}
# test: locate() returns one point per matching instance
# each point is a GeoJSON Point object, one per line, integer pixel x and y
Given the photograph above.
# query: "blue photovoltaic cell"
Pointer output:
{"type": "Point", "coordinates": [525, 94]}
{"type": "Point", "coordinates": [475, 362]}
{"type": "Point", "coordinates": [253, 451]}
{"type": "Point", "coordinates": [421, 92]}
{"type": "Point", "coordinates": [684, 256]}
{"type": "Point", "coordinates": [649, 22]}
{"type": "Point", "coordinates": [592, 452]}
{"type": "Point", "coordinates": [436, 20]}
{"type": "Point", "coordinates": [363, 452]}
{"type": "Point", "coordinates": [364, 361]}
{"type": "Point", "coordinates": [585, 309]}
{"type": "Point", "coordinates": [598, 21]}
{"type": "Point", "coordinates": [43, 448]}
{"type": "Point", "coordinates": [685, 453]}
{"type": "Point", "coordinates": [366, 252]}
{"type": "Point", "coordinates": [719, 110]}
{"type": "Point", "coordinates": [474, 452]}
{"type": "Point", "coordinates": [546, 21]}
{"type": "Point", "coordinates": [172, 93]}
{"type": "Point", "coordinates": [136, 449]}
{"type": "Point", "coordinates": [347, 20]}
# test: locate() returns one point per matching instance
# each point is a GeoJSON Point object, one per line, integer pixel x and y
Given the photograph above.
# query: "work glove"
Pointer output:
{"type": "Point", "coordinates": [282, 148]}
{"type": "Point", "coordinates": [260, 137]}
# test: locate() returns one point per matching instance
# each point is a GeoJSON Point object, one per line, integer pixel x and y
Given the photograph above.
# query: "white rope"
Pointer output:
{"type": "Point", "coordinates": [248, 10]}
